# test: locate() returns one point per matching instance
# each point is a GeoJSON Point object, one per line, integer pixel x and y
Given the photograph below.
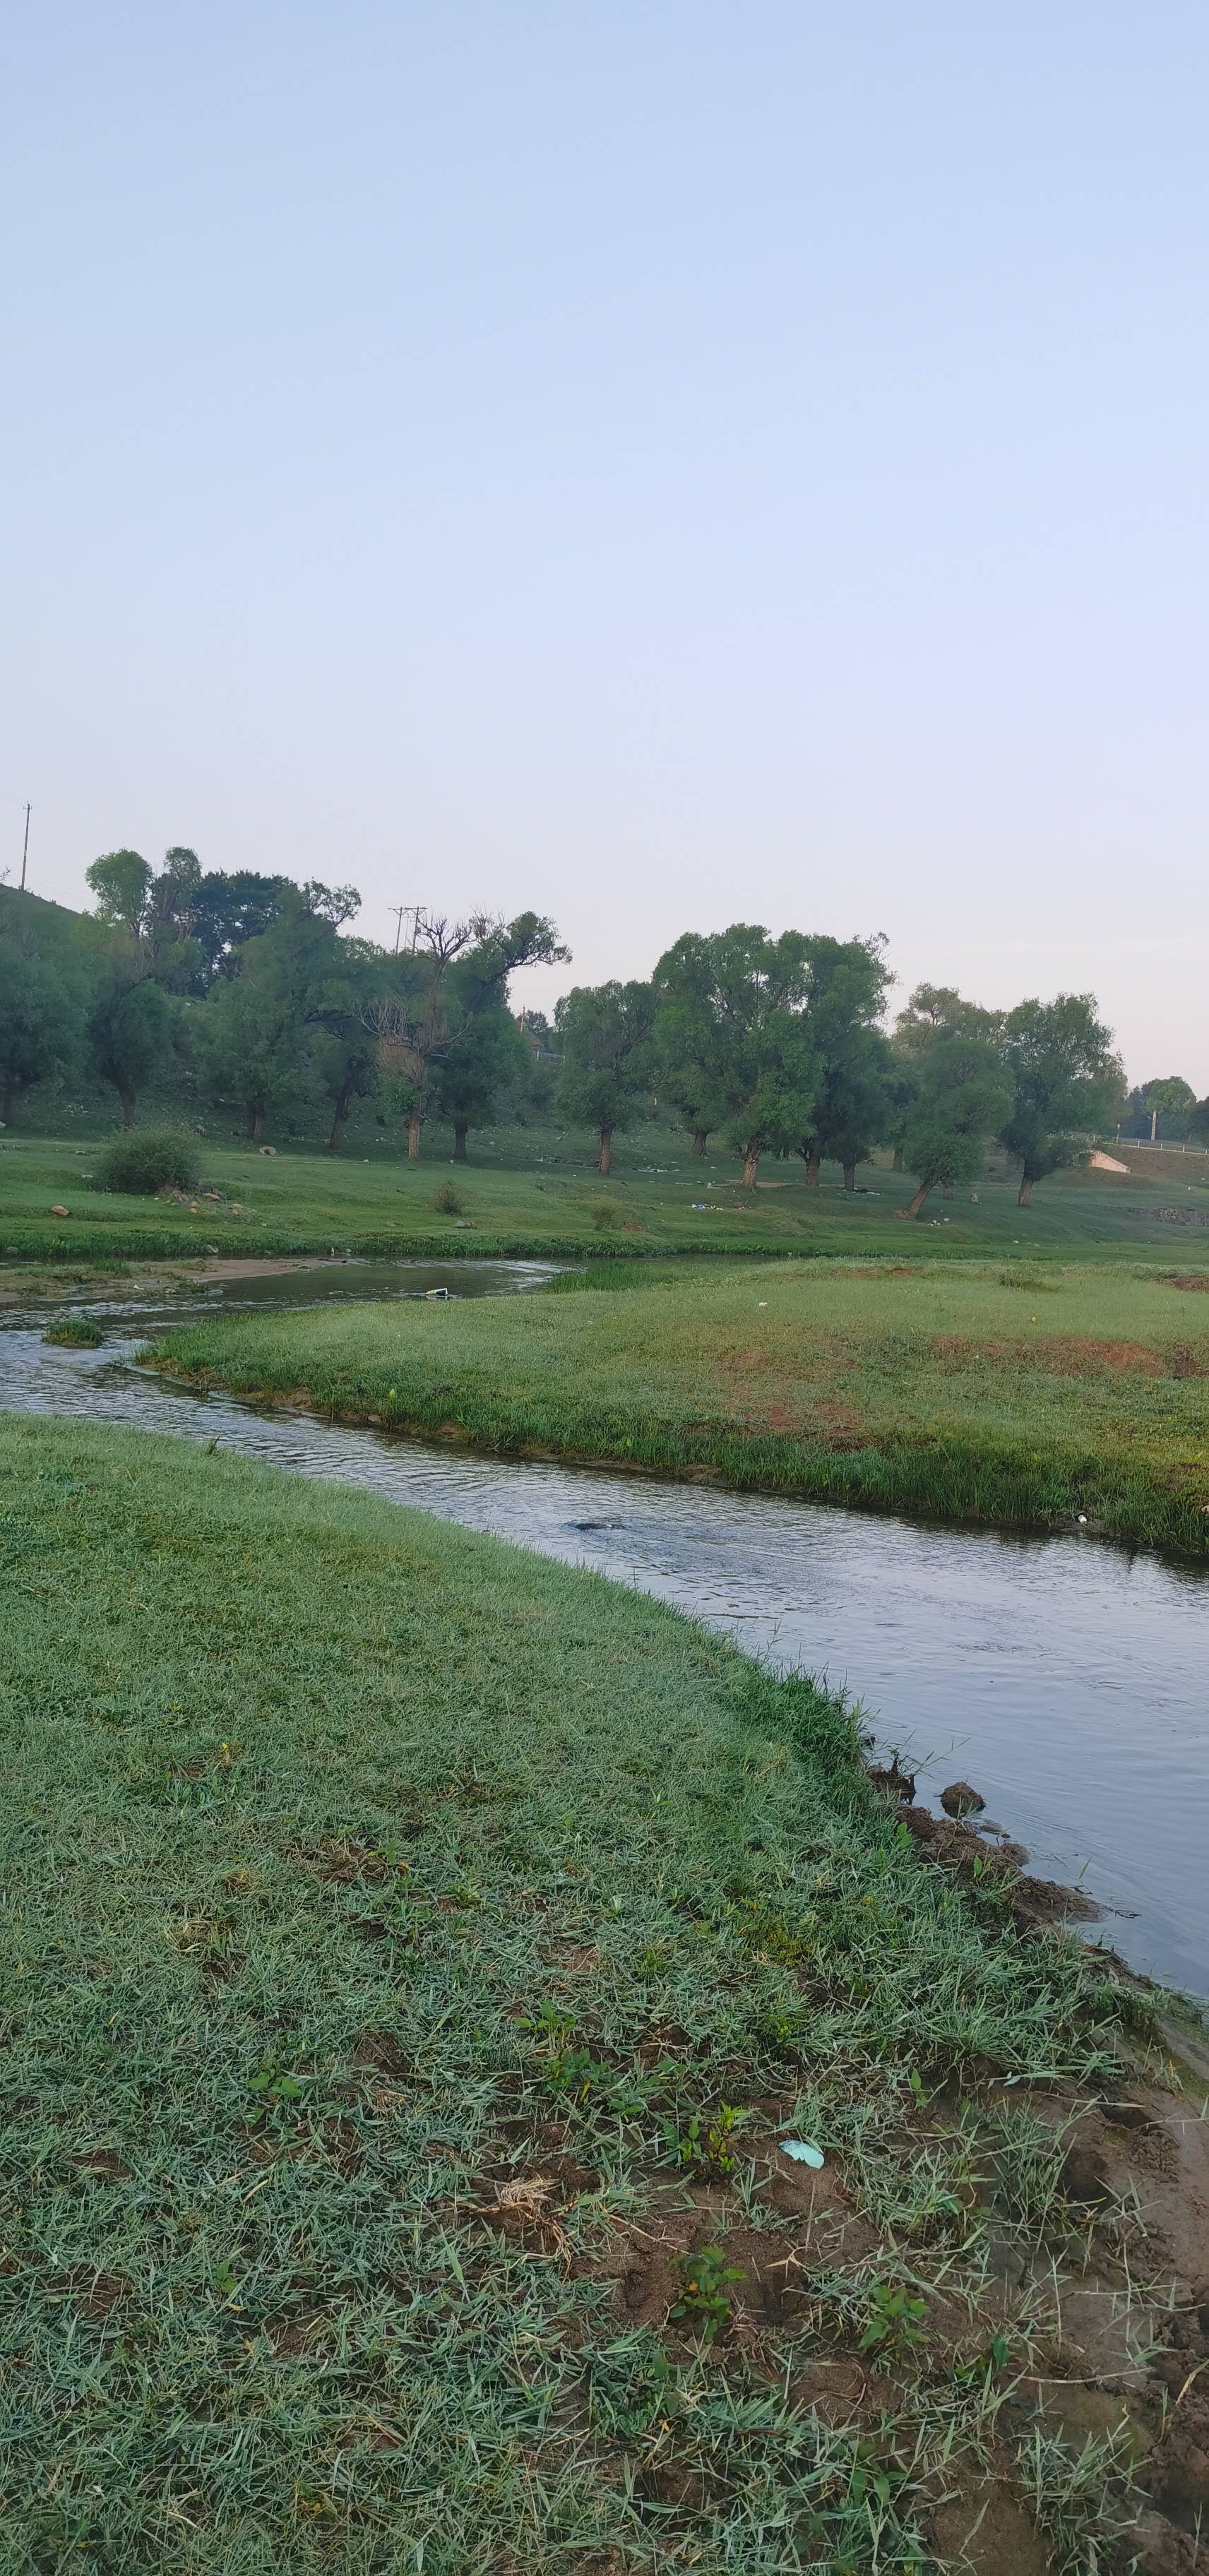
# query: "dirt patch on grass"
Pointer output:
{"type": "Point", "coordinates": [1099, 2338]}
{"type": "Point", "coordinates": [1073, 1355]}
{"type": "Point", "coordinates": [982, 2529]}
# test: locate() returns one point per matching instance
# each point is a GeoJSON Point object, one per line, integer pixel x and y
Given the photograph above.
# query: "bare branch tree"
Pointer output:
{"type": "Point", "coordinates": [422, 1006]}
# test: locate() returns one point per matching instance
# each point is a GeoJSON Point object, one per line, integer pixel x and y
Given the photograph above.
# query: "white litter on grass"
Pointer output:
{"type": "Point", "coordinates": [803, 2152]}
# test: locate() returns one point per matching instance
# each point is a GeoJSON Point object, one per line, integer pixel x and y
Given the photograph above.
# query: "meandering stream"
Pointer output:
{"type": "Point", "coordinates": [1065, 1678]}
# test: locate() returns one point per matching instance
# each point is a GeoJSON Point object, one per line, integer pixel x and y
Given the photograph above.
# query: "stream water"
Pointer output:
{"type": "Point", "coordinates": [1065, 1678]}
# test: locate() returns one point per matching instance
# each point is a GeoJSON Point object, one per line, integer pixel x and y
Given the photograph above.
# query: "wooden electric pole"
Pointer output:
{"type": "Point", "coordinates": [25, 850]}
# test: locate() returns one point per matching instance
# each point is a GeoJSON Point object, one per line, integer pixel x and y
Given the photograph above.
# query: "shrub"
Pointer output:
{"type": "Point", "coordinates": [445, 1198]}
{"type": "Point", "coordinates": [143, 1160]}
{"type": "Point", "coordinates": [76, 1333]}
{"type": "Point", "coordinates": [604, 1214]}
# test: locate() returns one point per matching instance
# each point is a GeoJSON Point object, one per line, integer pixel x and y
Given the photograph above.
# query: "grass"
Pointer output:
{"type": "Point", "coordinates": [535, 1190]}
{"type": "Point", "coordinates": [404, 1936]}
{"type": "Point", "coordinates": [1014, 1395]}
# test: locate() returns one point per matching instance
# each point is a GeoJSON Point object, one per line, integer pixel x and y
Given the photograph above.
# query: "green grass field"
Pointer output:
{"type": "Point", "coordinates": [534, 1190]}
{"type": "Point", "coordinates": [413, 1951]}
{"type": "Point", "coordinates": [1009, 1393]}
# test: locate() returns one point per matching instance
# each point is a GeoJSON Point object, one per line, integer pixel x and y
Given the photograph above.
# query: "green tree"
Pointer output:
{"type": "Point", "coordinates": [939, 1010]}
{"type": "Point", "coordinates": [167, 920]}
{"type": "Point", "coordinates": [1063, 1074]}
{"type": "Point", "coordinates": [933, 1011]}
{"type": "Point", "coordinates": [130, 1026]}
{"type": "Point", "coordinates": [488, 1056]}
{"type": "Point", "coordinates": [690, 1042]}
{"type": "Point", "coordinates": [739, 997]}
{"type": "Point", "coordinates": [963, 1092]}
{"type": "Point", "coordinates": [341, 1049]}
{"type": "Point", "coordinates": [605, 1032]}
{"type": "Point", "coordinates": [532, 1092]}
{"type": "Point", "coordinates": [226, 911]}
{"type": "Point", "coordinates": [853, 1090]}
{"type": "Point", "coordinates": [1168, 1106]}
{"type": "Point", "coordinates": [121, 883]}
{"type": "Point", "coordinates": [426, 997]}
{"type": "Point", "coordinates": [40, 1012]}
{"type": "Point", "coordinates": [252, 1035]}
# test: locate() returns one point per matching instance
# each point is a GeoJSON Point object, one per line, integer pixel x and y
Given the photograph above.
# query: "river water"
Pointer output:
{"type": "Point", "coordinates": [1064, 1678]}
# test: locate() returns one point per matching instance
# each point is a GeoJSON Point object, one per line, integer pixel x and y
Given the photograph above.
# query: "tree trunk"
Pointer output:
{"type": "Point", "coordinates": [128, 1107]}
{"type": "Point", "coordinates": [897, 1164]}
{"type": "Point", "coordinates": [605, 1163]}
{"type": "Point", "coordinates": [947, 1190]}
{"type": "Point", "coordinates": [1026, 1191]}
{"type": "Point", "coordinates": [255, 1110]}
{"type": "Point", "coordinates": [812, 1171]}
{"type": "Point", "coordinates": [850, 1176]}
{"type": "Point", "coordinates": [415, 1120]}
{"type": "Point", "coordinates": [338, 1122]}
{"type": "Point", "coordinates": [914, 1205]}
{"type": "Point", "coordinates": [460, 1129]}
{"type": "Point", "coordinates": [698, 1144]}
{"type": "Point", "coordinates": [12, 1097]}
{"type": "Point", "coordinates": [751, 1165]}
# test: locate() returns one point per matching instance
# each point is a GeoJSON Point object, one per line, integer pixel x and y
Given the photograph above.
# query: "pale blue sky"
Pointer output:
{"type": "Point", "coordinates": [660, 463]}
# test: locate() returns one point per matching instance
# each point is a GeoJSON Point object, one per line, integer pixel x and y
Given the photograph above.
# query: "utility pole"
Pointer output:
{"type": "Point", "coordinates": [417, 911]}
{"type": "Point", "coordinates": [25, 851]}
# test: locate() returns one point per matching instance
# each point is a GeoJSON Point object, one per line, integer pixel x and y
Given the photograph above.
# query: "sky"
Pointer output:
{"type": "Point", "coordinates": [655, 464]}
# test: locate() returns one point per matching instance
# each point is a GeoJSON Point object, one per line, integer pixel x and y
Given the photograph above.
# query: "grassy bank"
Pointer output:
{"type": "Point", "coordinates": [414, 1950]}
{"type": "Point", "coordinates": [1016, 1396]}
{"type": "Point", "coordinates": [535, 1190]}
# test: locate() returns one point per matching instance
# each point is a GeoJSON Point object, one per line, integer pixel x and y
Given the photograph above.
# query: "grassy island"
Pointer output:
{"type": "Point", "coordinates": [1017, 1394]}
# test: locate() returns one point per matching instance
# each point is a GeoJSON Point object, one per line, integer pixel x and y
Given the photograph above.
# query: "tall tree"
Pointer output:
{"type": "Point", "coordinates": [939, 1010]}
{"type": "Point", "coordinates": [252, 1034]}
{"type": "Point", "coordinates": [488, 1056]}
{"type": "Point", "coordinates": [963, 1091]}
{"type": "Point", "coordinates": [1063, 1074]}
{"type": "Point", "coordinates": [739, 998]}
{"type": "Point", "coordinates": [121, 883]}
{"type": "Point", "coordinates": [40, 1011]}
{"type": "Point", "coordinates": [167, 924]}
{"type": "Point", "coordinates": [426, 997]}
{"type": "Point", "coordinates": [933, 1011]}
{"type": "Point", "coordinates": [130, 1026]}
{"type": "Point", "coordinates": [341, 1049]}
{"type": "Point", "coordinates": [690, 1064]}
{"type": "Point", "coordinates": [606, 1031]}
{"type": "Point", "coordinates": [853, 1090]}
{"type": "Point", "coordinates": [228, 910]}
{"type": "Point", "coordinates": [1168, 1106]}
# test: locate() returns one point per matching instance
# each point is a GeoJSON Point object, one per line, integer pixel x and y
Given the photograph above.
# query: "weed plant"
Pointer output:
{"type": "Point", "coordinates": [359, 1873]}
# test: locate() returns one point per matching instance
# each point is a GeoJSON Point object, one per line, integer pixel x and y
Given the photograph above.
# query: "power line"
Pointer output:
{"type": "Point", "coordinates": [417, 913]}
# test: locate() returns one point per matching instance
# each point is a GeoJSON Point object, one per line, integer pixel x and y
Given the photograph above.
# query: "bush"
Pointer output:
{"type": "Point", "coordinates": [605, 1214]}
{"type": "Point", "coordinates": [445, 1198]}
{"type": "Point", "coordinates": [76, 1333]}
{"type": "Point", "coordinates": [143, 1160]}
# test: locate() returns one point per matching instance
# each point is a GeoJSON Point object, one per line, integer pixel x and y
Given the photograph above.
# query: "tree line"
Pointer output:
{"type": "Point", "coordinates": [777, 1046]}
{"type": "Point", "coordinates": [255, 985]}
{"type": "Point", "coordinates": [770, 1046]}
